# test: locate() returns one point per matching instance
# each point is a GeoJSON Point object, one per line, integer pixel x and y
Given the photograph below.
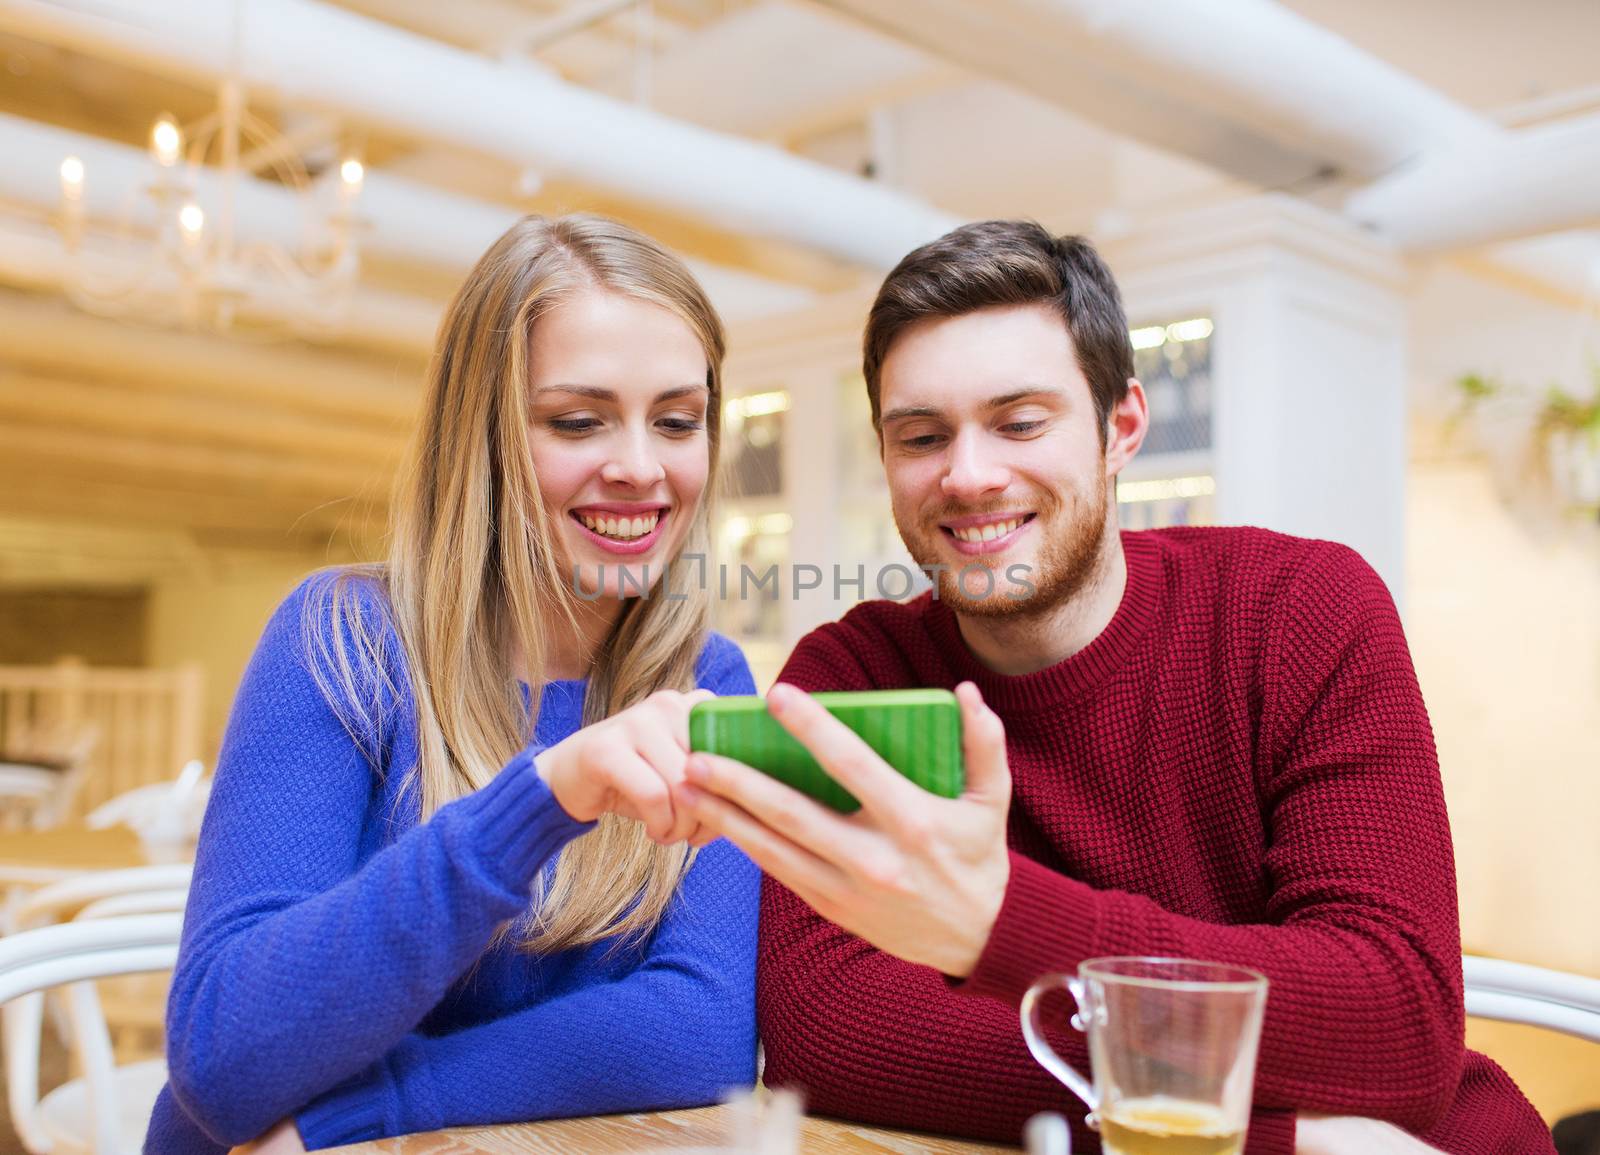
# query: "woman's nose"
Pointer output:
{"type": "Point", "coordinates": [634, 464]}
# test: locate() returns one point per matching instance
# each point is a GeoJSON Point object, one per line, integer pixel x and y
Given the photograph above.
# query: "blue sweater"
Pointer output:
{"type": "Point", "coordinates": [334, 964]}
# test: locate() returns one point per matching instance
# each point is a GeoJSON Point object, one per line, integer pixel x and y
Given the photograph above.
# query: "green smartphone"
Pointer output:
{"type": "Point", "coordinates": [918, 732]}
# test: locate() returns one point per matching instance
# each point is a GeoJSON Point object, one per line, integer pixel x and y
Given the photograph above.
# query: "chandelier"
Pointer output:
{"type": "Point", "coordinates": [222, 227]}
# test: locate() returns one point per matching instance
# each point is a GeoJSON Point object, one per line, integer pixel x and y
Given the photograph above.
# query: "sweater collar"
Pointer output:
{"type": "Point", "coordinates": [1053, 685]}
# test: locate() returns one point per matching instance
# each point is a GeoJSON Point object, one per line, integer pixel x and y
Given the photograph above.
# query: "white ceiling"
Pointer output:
{"type": "Point", "coordinates": [805, 79]}
{"type": "Point", "coordinates": [1489, 55]}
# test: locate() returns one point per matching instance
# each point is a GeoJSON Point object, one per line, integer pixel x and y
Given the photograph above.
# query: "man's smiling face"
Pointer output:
{"type": "Point", "coordinates": [995, 456]}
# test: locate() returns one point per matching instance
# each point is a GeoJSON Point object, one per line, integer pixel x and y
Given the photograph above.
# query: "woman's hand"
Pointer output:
{"type": "Point", "coordinates": [1352, 1135]}
{"type": "Point", "coordinates": [283, 1139]}
{"type": "Point", "coordinates": [628, 764]}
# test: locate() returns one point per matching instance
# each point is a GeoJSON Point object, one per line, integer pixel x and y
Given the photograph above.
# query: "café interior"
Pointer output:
{"type": "Point", "coordinates": [1358, 245]}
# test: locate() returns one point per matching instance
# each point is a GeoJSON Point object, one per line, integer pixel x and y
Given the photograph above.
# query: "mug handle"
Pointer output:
{"type": "Point", "coordinates": [1043, 1052]}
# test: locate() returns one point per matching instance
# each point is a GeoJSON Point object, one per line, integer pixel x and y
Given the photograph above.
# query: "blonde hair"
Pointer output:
{"type": "Point", "coordinates": [475, 576]}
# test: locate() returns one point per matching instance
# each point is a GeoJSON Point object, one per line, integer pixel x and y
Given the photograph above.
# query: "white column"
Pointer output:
{"type": "Point", "coordinates": [811, 492]}
{"type": "Point", "coordinates": [806, 352]}
{"type": "Point", "coordinates": [1308, 364]}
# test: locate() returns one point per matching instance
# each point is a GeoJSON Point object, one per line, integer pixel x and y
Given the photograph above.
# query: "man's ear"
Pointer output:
{"type": "Point", "coordinates": [1126, 426]}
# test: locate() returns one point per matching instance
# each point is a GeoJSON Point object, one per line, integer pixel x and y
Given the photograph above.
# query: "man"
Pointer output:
{"type": "Point", "coordinates": [1206, 743]}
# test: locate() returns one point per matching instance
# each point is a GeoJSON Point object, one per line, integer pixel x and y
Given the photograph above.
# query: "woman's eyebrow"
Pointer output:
{"type": "Point", "coordinates": [598, 393]}
{"type": "Point", "coordinates": [594, 392]}
{"type": "Point", "coordinates": [683, 391]}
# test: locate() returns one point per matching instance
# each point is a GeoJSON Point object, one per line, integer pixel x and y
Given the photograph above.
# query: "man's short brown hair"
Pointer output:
{"type": "Point", "coordinates": [991, 264]}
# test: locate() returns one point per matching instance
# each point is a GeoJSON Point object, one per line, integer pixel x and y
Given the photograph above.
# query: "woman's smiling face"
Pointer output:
{"type": "Point", "coordinates": [617, 412]}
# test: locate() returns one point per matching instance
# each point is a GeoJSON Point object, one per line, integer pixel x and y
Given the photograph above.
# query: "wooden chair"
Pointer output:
{"type": "Point", "coordinates": [41, 775]}
{"type": "Point", "coordinates": [106, 1111]}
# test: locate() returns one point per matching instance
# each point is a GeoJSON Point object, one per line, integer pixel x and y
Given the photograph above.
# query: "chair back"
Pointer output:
{"type": "Point", "coordinates": [160, 812]}
{"type": "Point", "coordinates": [1511, 992]}
{"type": "Point", "coordinates": [73, 897]}
{"type": "Point", "coordinates": [79, 905]}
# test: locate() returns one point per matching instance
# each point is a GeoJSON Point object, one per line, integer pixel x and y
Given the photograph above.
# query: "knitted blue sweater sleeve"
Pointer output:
{"type": "Point", "coordinates": [677, 1031]}
{"type": "Point", "coordinates": [301, 966]}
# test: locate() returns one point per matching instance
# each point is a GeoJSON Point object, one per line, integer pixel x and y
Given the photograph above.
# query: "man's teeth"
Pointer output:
{"type": "Point", "coordinates": [978, 533]}
{"type": "Point", "coordinates": [623, 528]}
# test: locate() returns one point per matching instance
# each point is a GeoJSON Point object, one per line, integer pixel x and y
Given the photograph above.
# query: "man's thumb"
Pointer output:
{"type": "Point", "coordinates": [983, 749]}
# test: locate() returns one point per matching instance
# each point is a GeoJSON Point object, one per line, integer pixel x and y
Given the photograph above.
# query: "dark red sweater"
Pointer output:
{"type": "Point", "coordinates": [1239, 768]}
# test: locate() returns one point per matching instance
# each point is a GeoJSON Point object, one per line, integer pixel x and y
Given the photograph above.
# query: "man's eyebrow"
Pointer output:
{"type": "Point", "coordinates": [600, 394]}
{"type": "Point", "coordinates": [1020, 395]}
{"type": "Point", "coordinates": [908, 411]}
{"type": "Point", "coordinates": [1000, 402]}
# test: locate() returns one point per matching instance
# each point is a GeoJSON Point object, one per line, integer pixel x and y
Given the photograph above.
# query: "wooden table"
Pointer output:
{"type": "Point", "coordinates": [701, 1129]}
{"type": "Point", "coordinates": [37, 857]}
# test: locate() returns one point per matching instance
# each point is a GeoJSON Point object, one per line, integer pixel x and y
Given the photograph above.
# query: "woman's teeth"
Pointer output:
{"type": "Point", "coordinates": [994, 529]}
{"type": "Point", "coordinates": [621, 528]}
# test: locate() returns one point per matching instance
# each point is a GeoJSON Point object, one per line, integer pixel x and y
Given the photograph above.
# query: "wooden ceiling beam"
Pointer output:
{"type": "Point", "coordinates": [45, 333]}
{"type": "Point", "coordinates": [205, 468]}
{"type": "Point", "coordinates": [43, 492]}
{"type": "Point", "coordinates": [108, 407]}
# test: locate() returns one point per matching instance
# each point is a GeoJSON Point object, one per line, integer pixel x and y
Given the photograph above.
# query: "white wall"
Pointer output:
{"type": "Point", "coordinates": [1504, 623]}
{"type": "Point", "coordinates": [1505, 633]}
{"type": "Point", "coordinates": [214, 616]}
{"type": "Point", "coordinates": [1466, 323]}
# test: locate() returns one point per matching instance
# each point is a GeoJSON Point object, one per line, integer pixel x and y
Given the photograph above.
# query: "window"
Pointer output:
{"type": "Point", "coordinates": [1170, 482]}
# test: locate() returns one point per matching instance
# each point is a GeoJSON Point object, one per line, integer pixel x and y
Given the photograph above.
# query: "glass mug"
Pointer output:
{"type": "Point", "coordinates": [1172, 1044]}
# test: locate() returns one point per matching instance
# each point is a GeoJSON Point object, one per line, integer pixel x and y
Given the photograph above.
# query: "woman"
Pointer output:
{"type": "Point", "coordinates": [394, 924]}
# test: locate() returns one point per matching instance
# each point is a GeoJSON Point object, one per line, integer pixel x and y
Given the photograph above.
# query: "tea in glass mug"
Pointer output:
{"type": "Point", "coordinates": [1162, 1126]}
{"type": "Point", "coordinates": [1172, 1047]}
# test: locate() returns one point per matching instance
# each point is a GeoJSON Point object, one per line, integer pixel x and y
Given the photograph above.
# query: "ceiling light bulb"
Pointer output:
{"type": "Point", "coordinates": [166, 142]}
{"type": "Point", "coordinates": [72, 178]}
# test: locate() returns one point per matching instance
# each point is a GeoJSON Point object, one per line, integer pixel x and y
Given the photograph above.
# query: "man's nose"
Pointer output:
{"type": "Point", "coordinates": [973, 469]}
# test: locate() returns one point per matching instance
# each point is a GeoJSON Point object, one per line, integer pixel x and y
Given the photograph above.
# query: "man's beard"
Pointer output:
{"type": "Point", "coordinates": [1072, 536]}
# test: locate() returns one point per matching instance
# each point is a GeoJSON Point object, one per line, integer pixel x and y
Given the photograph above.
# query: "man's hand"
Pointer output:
{"type": "Point", "coordinates": [916, 875]}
